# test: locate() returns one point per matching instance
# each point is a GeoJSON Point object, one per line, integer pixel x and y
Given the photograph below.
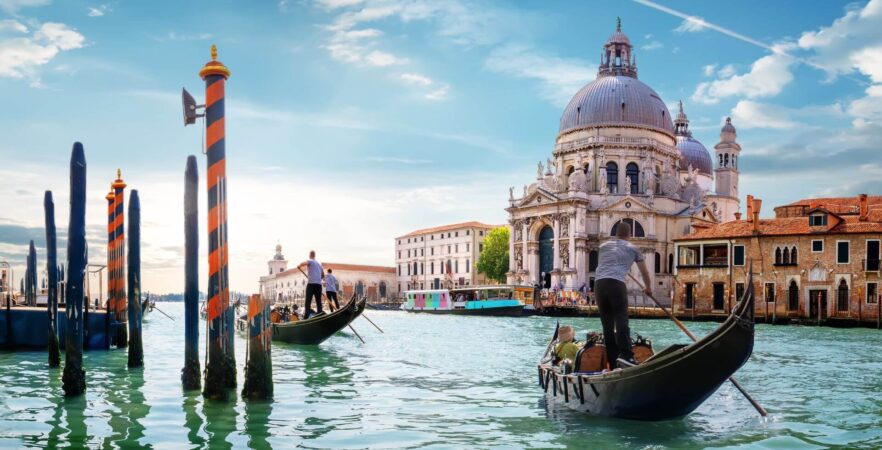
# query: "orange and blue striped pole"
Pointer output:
{"type": "Point", "coordinates": [220, 373]}
{"type": "Point", "coordinates": [119, 245]}
{"type": "Point", "coordinates": [258, 366]}
{"type": "Point", "coordinates": [111, 297]}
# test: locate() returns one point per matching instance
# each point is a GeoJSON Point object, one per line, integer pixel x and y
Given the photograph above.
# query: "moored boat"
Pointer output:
{"type": "Point", "coordinates": [501, 300]}
{"type": "Point", "coordinates": [668, 385]}
{"type": "Point", "coordinates": [316, 329]}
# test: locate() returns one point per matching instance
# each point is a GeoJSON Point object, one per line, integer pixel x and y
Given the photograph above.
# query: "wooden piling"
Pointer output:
{"type": "Point", "coordinates": [52, 288]}
{"type": "Point", "coordinates": [220, 373]}
{"type": "Point", "coordinates": [190, 374]}
{"type": "Point", "coordinates": [31, 283]}
{"type": "Point", "coordinates": [258, 364]}
{"type": "Point", "coordinates": [136, 349]}
{"type": "Point", "coordinates": [74, 377]}
{"type": "Point", "coordinates": [119, 245]}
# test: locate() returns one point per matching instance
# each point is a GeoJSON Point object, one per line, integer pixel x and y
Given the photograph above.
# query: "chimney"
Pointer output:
{"type": "Point", "coordinates": [738, 216]}
{"type": "Point", "coordinates": [757, 206]}
{"type": "Point", "coordinates": [864, 207]}
{"type": "Point", "coordinates": [749, 208]}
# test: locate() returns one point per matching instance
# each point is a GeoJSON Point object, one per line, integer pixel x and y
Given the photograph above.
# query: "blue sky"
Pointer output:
{"type": "Point", "coordinates": [350, 122]}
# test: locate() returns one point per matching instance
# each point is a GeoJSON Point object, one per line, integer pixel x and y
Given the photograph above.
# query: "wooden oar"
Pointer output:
{"type": "Point", "coordinates": [163, 313]}
{"type": "Point", "coordinates": [682, 327]}
{"type": "Point", "coordinates": [305, 312]}
{"type": "Point", "coordinates": [372, 322]}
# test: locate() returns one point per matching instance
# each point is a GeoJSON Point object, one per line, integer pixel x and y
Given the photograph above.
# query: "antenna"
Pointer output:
{"type": "Point", "coordinates": [190, 108]}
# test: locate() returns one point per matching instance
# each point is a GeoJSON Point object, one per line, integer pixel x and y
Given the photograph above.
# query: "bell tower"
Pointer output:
{"type": "Point", "coordinates": [278, 264]}
{"type": "Point", "coordinates": [727, 152]}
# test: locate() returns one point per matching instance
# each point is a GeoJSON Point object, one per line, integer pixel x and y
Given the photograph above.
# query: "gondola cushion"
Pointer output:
{"type": "Point", "coordinates": [591, 358]}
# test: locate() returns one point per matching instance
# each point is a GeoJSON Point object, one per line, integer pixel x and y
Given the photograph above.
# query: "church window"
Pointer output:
{"type": "Point", "coordinates": [657, 262]}
{"type": "Point", "coordinates": [592, 261]}
{"type": "Point", "coordinates": [636, 228]}
{"type": "Point", "coordinates": [632, 172]}
{"type": "Point", "coordinates": [612, 177]}
{"type": "Point", "coordinates": [842, 296]}
{"type": "Point", "coordinates": [785, 258]}
{"type": "Point", "coordinates": [793, 260]}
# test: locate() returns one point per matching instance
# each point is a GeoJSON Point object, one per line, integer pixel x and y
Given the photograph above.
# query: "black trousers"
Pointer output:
{"type": "Point", "coordinates": [612, 302]}
{"type": "Point", "coordinates": [332, 297]}
{"type": "Point", "coordinates": [313, 290]}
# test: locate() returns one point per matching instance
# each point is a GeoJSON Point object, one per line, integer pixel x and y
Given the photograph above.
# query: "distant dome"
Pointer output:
{"type": "Point", "coordinates": [728, 127]}
{"type": "Point", "coordinates": [694, 153]}
{"type": "Point", "coordinates": [616, 100]}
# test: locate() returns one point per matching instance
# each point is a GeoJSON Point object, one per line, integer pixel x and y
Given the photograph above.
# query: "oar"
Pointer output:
{"type": "Point", "coordinates": [329, 307]}
{"type": "Point", "coordinates": [682, 327]}
{"type": "Point", "coordinates": [551, 342]}
{"type": "Point", "coordinates": [372, 322]}
{"type": "Point", "coordinates": [163, 313]}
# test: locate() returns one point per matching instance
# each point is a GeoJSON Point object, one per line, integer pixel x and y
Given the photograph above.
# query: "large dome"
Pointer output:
{"type": "Point", "coordinates": [616, 100]}
{"type": "Point", "coordinates": [694, 153]}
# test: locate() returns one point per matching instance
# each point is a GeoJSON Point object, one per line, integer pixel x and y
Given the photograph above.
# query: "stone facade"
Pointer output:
{"type": "Point", "coordinates": [286, 285]}
{"type": "Point", "coordinates": [618, 157]}
{"type": "Point", "coordinates": [422, 257]}
{"type": "Point", "coordinates": [817, 260]}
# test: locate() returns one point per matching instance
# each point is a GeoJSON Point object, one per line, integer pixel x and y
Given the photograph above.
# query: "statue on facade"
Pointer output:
{"type": "Point", "coordinates": [565, 256]}
{"type": "Point", "coordinates": [602, 179]}
{"type": "Point", "coordinates": [564, 225]}
{"type": "Point", "coordinates": [525, 191]}
{"type": "Point", "coordinates": [539, 169]}
{"type": "Point", "coordinates": [511, 193]}
{"type": "Point", "coordinates": [549, 167]}
{"type": "Point", "coordinates": [519, 258]}
{"type": "Point", "coordinates": [649, 180]}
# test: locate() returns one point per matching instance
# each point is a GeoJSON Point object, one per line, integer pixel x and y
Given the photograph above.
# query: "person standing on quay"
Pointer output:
{"type": "Point", "coordinates": [314, 273]}
{"type": "Point", "coordinates": [615, 259]}
{"type": "Point", "coordinates": [331, 288]}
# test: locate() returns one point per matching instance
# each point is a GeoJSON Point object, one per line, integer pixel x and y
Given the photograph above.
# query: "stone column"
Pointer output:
{"type": "Point", "coordinates": [556, 227]}
{"type": "Point", "coordinates": [512, 264]}
{"type": "Point", "coordinates": [581, 263]}
{"type": "Point", "coordinates": [572, 236]}
{"type": "Point", "coordinates": [525, 255]}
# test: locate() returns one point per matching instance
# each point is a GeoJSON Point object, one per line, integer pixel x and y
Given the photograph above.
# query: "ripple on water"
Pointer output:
{"type": "Point", "coordinates": [441, 382]}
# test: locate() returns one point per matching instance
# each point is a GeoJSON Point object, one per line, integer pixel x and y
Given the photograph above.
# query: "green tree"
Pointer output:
{"type": "Point", "coordinates": [493, 261]}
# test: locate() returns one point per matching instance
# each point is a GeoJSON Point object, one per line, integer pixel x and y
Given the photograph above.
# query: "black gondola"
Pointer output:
{"type": "Point", "coordinates": [669, 385]}
{"type": "Point", "coordinates": [315, 330]}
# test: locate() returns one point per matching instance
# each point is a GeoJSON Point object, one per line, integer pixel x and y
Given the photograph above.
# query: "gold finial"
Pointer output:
{"type": "Point", "coordinates": [213, 52]}
{"type": "Point", "coordinates": [118, 174]}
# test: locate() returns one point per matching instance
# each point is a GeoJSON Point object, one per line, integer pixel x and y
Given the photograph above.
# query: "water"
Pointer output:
{"type": "Point", "coordinates": [441, 382]}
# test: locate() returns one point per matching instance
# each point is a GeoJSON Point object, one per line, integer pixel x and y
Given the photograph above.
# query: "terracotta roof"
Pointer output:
{"type": "Point", "coordinates": [451, 227]}
{"type": "Point", "coordinates": [850, 224]}
{"type": "Point", "coordinates": [343, 266]}
{"type": "Point", "coordinates": [838, 201]}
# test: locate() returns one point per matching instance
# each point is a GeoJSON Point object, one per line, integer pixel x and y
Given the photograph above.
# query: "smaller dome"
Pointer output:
{"type": "Point", "coordinates": [728, 127]}
{"type": "Point", "coordinates": [695, 154]}
{"type": "Point", "coordinates": [618, 37]}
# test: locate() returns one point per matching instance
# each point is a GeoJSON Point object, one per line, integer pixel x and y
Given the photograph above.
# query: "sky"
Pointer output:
{"type": "Point", "coordinates": [351, 122]}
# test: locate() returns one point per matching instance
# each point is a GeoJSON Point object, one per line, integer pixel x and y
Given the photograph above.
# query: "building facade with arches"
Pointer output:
{"type": "Point", "coordinates": [289, 285]}
{"type": "Point", "coordinates": [619, 157]}
{"type": "Point", "coordinates": [817, 260]}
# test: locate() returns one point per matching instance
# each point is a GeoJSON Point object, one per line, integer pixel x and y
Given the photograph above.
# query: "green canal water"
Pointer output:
{"type": "Point", "coordinates": [441, 382]}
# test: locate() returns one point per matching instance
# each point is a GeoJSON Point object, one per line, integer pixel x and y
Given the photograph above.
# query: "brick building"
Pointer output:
{"type": "Point", "coordinates": [816, 261]}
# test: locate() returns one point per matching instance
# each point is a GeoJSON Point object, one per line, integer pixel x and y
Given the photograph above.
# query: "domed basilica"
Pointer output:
{"type": "Point", "coordinates": [619, 157]}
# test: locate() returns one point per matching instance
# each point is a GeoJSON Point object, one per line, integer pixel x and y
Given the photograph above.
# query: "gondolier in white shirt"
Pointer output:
{"type": "Point", "coordinates": [611, 294]}
{"type": "Point", "coordinates": [331, 288]}
{"type": "Point", "coordinates": [314, 274]}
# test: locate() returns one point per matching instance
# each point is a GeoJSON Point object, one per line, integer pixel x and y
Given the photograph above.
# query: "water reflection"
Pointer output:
{"type": "Point", "coordinates": [75, 422]}
{"type": "Point", "coordinates": [257, 419]}
{"type": "Point", "coordinates": [220, 422]}
{"type": "Point", "coordinates": [192, 420]}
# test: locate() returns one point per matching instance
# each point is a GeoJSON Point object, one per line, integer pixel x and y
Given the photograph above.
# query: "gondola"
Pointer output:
{"type": "Point", "coordinates": [315, 330]}
{"type": "Point", "coordinates": [669, 385]}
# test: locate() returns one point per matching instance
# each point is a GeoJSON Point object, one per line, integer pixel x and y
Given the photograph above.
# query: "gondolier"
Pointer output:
{"type": "Point", "coordinates": [331, 288]}
{"type": "Point", "coordinates": [314, 273]}
{"type": "Point", "coordinates": [615, 259]}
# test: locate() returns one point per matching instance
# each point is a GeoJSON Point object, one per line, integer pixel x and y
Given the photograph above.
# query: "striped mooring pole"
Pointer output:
{"type": "Point", "coordinates": [119, 264]}
{"type": "Point", "coordinates": [191, 373]}
{"type": "Point", "coordinates": [52, 288]}
{"type": "Point", "coordinates": [111, 299]}
{"type": "Point", "coordinates": [74, 377]}
{"type": "Point", "coordinates": [220, 373]}
{"type": "Point", "coordinates": [258, 364]}
{"type": "Point", "coordinates": [136, 348]}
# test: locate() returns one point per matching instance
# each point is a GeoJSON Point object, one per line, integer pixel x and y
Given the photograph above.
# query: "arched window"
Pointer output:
{"type": "Point", "coordinates": [778, 255]}
{"type": "Point", "coordinates": [793, 259]}
{"type": "Point", "coordinates": [721, 160]}
{"type": "Point", "coordinates": [785, 258]}
{"type": "Point", "coordinates": [842, 296]}
{"type": "Point", "coordinates": [726, 160]}
{"type": "Point", "coordinates": [632, 173]}
{"type": "Point", "coordinates": [359, 288]}
{"type": "Point", "coordinates": [570, 170]}
{"type": "Point", "coordinates": [592, 260]}
{"type": "Point", "coordinates": [657, 262]}
{"type": "Point", "coordinates": [382, 289]}
{"type": "Point", "coordinates": [612, 177]}
{"type": "Point", "coordinates": [670, 263]}
{"type": "Point", "coordinates": [793, 297]}
{"type": "Point", "coordinates": [587, 167]}
{"type": "Point", "coordinates": [415, 272]}
{"type": "Point", "coordinates": [636, 228]}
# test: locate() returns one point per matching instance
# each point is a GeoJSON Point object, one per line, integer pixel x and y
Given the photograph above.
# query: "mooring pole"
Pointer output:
{"type": "Point", "coordinates": [119, 245]}
{"type": "Point", "coordinates": [74, 377]}
{"type": "Point", "coordinates": [220, 371]}
{"type": "Point", "coordinates": [190, 375]}
{"type": "Point", "coordinates": [136, 348]}
{"type": "Point", "coordinates": [258, 366]}
{"type": "Point", "coordinates": [32, 275]}
{"type": "Point", "coordinates": [110, 306]}
{"type": "Point", "coordinates": [52, 288]}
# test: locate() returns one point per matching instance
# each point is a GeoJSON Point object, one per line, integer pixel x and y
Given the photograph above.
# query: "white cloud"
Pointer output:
{"type": "Point", "coordinates": [709, 70]}
{"type": "Point", "coordinates": [393, 159]}
{"type": "Point", "coordinates": [438, 90]}
{"type": "Point", "coordinates": [98, 11]}
{"type": "Point", "coordinates": [334, 4]}
{"type": "Point", "coordinates": [559, 77]}
{"type": "Point", "coordinates": [382, 59]}
{"type": "Point", "coordinates": [438, 94]}
{"type": "Point", "coordinates": [415, 78]}
{"type": "Point", "coordinates": [692, 24]}
{"type": "Point", "coordinates": [23, 55]}
{"type": "Point", "coordinates": [766, 78]}
{"type": "Point", "coordinates": [749, 114]}
{"type": "Point", "coordinates": [726, 71]}
{"type": "Point", "coordinates": [13, 26]}
{"type": "Point", "coordinates": [868, 109]}
{"type": "Point", "coordinates": [654, 45]}
{"type": "Point", "coordinates": [12, 6]}
{"type": "Point", "coordinates": [171, 36]}
{"type": "Point", "coordinates": [839, 49]}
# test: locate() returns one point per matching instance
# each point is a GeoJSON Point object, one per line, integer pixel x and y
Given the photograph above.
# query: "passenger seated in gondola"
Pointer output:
{"type": "Point", "coordinates": [566, 348]}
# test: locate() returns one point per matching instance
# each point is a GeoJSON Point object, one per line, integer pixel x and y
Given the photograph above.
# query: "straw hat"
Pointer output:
{"type": "Point", "coordinates": [566, 334]}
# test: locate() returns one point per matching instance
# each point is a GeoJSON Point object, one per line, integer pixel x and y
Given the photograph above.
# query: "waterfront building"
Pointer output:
{"type": "Point", "coordinates": [440, 257]}
{"type": "Point", "coordinates": [283, 284]}
{"type": "Point", "coordinates": [817, 260]}
{"type": "Point", "coordinates": [619, 157]}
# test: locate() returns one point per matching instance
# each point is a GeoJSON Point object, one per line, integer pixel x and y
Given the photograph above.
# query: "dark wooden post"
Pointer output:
{"type": "Point", "coordinates": [31, 284]}
{"type": "Point", "coordinates": [52, 289]}
{"type": "Point", "coordinates": [136, 349]}
{"type": "Point", "coordinates": [190, 375]}
{"type": "Point", "coordinates": [74, 377]}
{"type": "Point", "coordinates": [258, 366]}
